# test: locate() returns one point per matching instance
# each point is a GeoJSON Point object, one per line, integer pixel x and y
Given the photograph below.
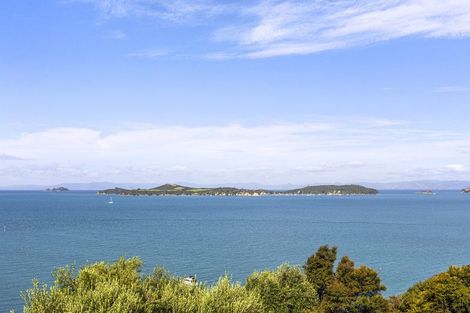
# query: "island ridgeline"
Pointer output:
{"type": "Point", "coordinates": [179, 190]}
{"type": "Point", "coordinates": [57, 189]}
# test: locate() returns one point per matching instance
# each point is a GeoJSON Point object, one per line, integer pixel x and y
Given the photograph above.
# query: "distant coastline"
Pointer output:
{"type": "Point", "coordinates": [435, 185]}
{"type": "Point", "coordinates": [179, 190]}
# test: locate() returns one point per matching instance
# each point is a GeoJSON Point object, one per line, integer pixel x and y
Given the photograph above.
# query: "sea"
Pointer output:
{"type": "Point", "coordinates": [406, 237]}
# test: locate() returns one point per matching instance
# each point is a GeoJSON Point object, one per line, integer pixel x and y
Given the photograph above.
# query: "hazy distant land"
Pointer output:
{"type": "Point", "coordinates": [57, 189]}
{"type": "Point", "coordinates": [179, 190]}
{"type": "Point", "coordinates": [399, 185]}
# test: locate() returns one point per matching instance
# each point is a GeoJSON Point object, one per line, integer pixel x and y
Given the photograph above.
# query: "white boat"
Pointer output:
{"type": "Point", "coordinates": [190, 280]}
{"type": "Point", "coordinates": [110, 200]}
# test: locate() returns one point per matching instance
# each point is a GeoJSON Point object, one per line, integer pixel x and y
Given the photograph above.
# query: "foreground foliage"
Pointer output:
{"type": "Point", "coordinates": [447, 292]}
{"type": "Point", "coordinates": [318, 287]}
{"type": "Point", "coordinates": [118, 287]}
{"type": "Point", "coordinates": [348, 289]}
{"type": "Point", "coordinates": [285, 290]}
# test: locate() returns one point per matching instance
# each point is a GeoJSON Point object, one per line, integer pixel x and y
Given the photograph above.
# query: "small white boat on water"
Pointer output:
{"type": "Point", "coordinates": [190, 280]}
{"type": "Point", "coordinates": [110, 200]}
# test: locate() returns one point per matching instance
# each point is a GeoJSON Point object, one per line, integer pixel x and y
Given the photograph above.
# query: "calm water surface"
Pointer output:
{"type": "Point", "coordinates": [406, 237]}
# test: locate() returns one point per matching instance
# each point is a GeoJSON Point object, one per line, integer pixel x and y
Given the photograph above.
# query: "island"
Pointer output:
{"type": "Point", "coordinates": [426, 192]}
{"type": "Point", "coordinates": [179, 190]}
{"type": "Point", "coordinates": [57, 189]}
{"type": "Point", "coordinates": [466, 190]}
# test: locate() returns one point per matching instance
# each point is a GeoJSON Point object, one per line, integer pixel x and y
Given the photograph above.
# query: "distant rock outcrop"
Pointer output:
{"type": "Point", "coordinates": [466, 190]}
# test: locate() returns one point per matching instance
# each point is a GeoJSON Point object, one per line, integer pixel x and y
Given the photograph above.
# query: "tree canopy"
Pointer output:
{"type": "Point", "coordinates": [285, 290]}
{"type": "Point", "coordinates": [318, 287]}
{"type": "Point", "coordinates": [348, 289]}
{"type": "Point", "coordinates": [447, 292]}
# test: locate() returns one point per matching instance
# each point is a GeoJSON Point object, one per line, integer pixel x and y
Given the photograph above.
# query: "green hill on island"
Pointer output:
{"type": "Point", "coordinates": [334, 190]}
{"type": "Point", "coordinates": [179, 190]}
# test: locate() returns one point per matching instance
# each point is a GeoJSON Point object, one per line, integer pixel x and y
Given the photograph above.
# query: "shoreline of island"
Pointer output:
{"type": "Point", "coordinates": [179, 190]}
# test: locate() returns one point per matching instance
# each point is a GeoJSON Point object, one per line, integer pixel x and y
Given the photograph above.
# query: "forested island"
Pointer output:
{"type": "Point", "coordinates": [57, 189]}
{"type": "Point", "coordinates": [178, 190]}
{"type": "Point", "coordinates": [321, 285]}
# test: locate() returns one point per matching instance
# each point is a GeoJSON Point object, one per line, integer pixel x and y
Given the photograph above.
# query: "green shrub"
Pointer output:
{"type": "Point", "coordinates": [285, 290]}
{"type": "Point", "coordinates": [447, 292]}
{"type": "Point", "coordinates": [119, 288]}
{"type": "Point", "coordinates": [97, 288]}
{"type": "Point", "coordinates": [227, 297]}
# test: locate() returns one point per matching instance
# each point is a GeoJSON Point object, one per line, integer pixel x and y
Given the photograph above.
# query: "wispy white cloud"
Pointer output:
{"type": "Point", "coordinates": [8, 157]}
{"type": "Point", "coordinates": [149, 53]}
{"type": "Point", "coordinates": [324, 150]}
{"type": "Point", "coordinates": [456, 167]}
{"type": "Point", "coordinates": [116, 34]}
{"type": "Point", "coordinates": [178, 11]}
{"type": "Point", "coordinates": [269, 28]}
{"type": "Point", "coordinates": [304, 27]}
{"type": "Point", "coordinates": [452, 89]}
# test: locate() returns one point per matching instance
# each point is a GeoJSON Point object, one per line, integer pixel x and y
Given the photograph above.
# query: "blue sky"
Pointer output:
{"type": "Point", "coordinates": [272, 92]}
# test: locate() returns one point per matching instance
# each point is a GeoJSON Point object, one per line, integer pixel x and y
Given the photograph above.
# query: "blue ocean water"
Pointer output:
{"type": "Point", "coordinates": [405, 236]}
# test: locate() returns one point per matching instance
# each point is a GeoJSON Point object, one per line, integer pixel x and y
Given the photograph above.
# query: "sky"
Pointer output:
{"type": "Point", "coordinates": [220, 92]}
